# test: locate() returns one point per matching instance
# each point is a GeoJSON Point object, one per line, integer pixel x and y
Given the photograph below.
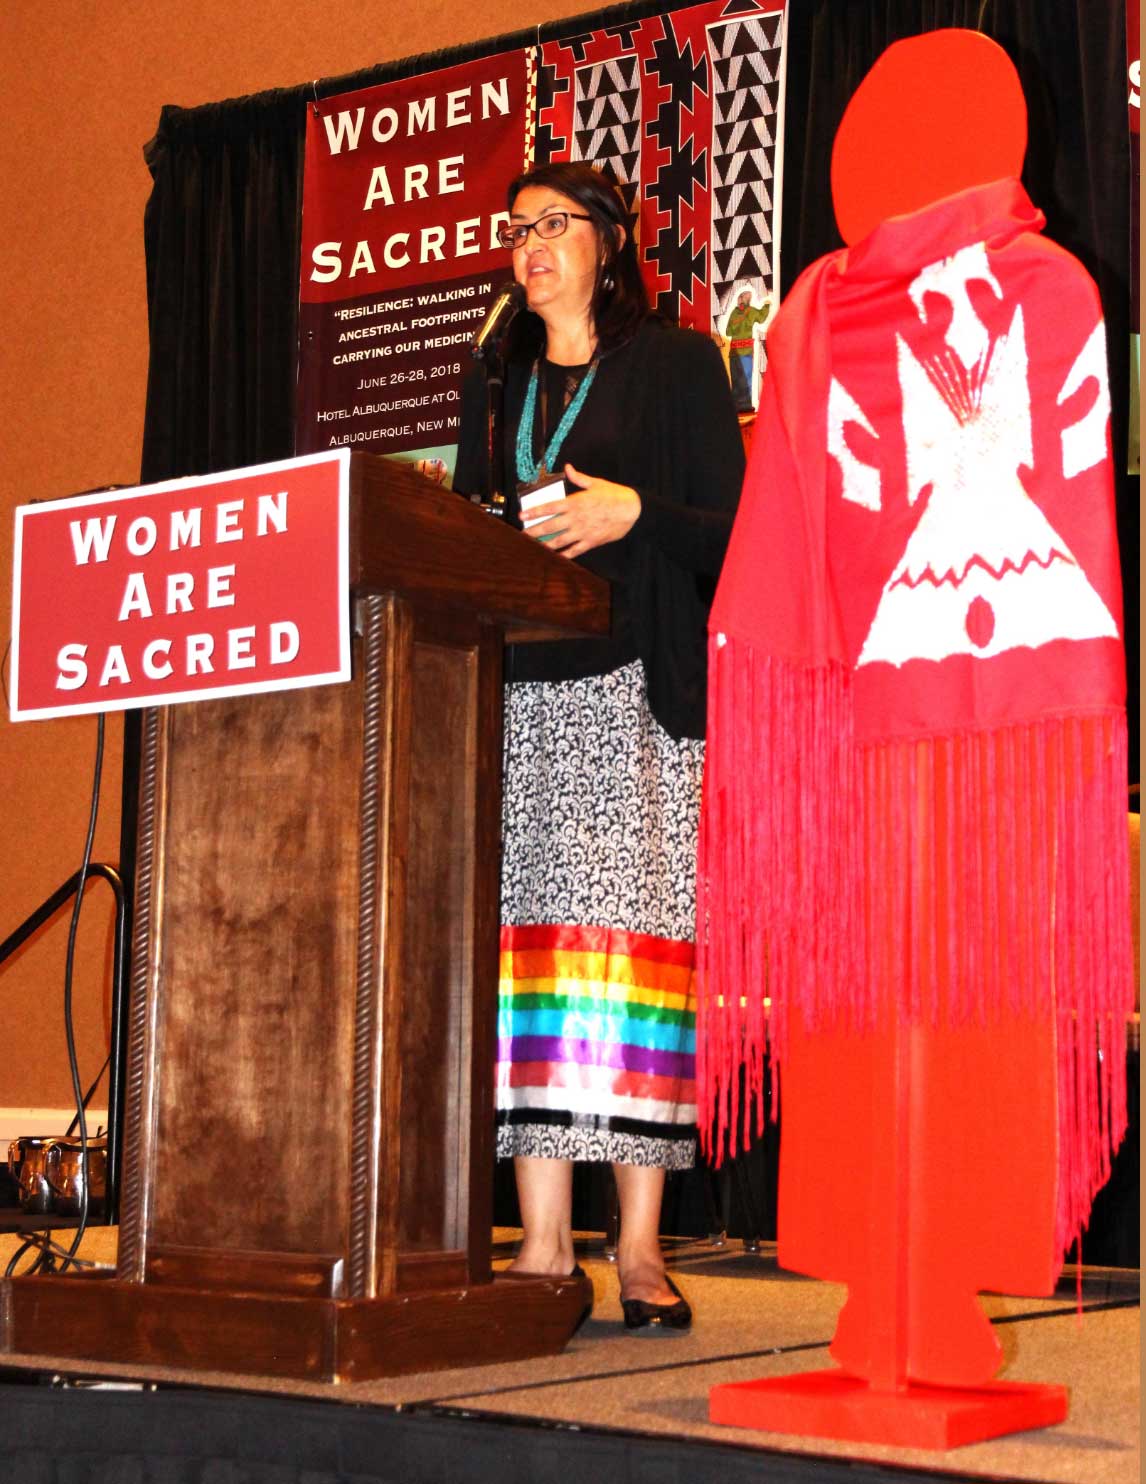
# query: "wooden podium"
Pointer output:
{"type": "Point", "coordinates": [308, 1132]}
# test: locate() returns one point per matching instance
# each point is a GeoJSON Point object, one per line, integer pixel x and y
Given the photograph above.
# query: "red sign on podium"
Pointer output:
{"type": "Point", "coordinates": [221, 585]}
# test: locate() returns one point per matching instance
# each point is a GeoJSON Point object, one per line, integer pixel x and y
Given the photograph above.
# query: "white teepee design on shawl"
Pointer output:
{"type": "Point", "coordinates": [984, 571]}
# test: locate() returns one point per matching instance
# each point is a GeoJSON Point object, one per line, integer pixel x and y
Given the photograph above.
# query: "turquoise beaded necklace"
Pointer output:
{"type": "Point", "coordinates": [529, 471]}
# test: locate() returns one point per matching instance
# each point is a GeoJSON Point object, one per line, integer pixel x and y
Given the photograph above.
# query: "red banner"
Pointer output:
{"type": "Point", "coordinates": [216, 586]}
{"type": "Point", "coordinates": [403, 192]}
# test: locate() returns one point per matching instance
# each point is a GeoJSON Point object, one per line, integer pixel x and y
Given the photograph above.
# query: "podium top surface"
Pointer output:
{"type": "Point", "coordinates": [408, 535]}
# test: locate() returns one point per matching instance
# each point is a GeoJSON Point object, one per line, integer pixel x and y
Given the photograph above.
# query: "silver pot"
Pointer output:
{"type": "Point", "coordinates": [28, 1160]}
{"type": "Point", "coordinates": [66, 1174]}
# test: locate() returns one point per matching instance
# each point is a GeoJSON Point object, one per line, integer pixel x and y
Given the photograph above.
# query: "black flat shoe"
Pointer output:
{"type": "Point", "coordinates": [639, 1313]}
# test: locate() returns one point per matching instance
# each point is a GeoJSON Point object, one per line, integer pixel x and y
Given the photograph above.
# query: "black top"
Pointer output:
{"type": "Point", "coordinates": [659, 417]}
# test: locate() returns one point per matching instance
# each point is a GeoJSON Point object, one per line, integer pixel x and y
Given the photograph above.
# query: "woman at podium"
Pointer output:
{"type": "Point", "coordinates": [623, 428]}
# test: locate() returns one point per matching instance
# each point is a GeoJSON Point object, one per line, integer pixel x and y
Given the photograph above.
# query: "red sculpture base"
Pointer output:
{"type": "Point", "coordinates": [830, 1404]}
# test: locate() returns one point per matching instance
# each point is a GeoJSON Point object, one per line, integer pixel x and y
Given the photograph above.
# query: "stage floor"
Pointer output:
{"type": "Point", "coordinates": [752, 1320]}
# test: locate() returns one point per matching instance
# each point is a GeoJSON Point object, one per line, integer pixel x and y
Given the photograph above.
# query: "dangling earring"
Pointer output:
{"type": "Point", "coordinates": [608, 282]}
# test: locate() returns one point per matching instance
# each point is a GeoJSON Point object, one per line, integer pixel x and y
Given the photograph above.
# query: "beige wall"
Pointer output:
{"type": "Point", "coordinates": [82, 90]}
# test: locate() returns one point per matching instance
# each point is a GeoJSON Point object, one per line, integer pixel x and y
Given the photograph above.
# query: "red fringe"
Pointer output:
{"type": "Point", "coordinates": [933, 878]}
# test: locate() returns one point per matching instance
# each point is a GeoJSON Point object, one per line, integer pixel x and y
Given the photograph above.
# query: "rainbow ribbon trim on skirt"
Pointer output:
{"type": "Point", "coordinates": [599, 1024]}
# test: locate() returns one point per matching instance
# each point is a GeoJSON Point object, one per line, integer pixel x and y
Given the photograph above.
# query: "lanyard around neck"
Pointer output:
{"type": "Point", "coordinates": [529, 470]}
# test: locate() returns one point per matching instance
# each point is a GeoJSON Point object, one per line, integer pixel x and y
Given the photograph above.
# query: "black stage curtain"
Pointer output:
{"type": "Point", "coordinates": [221, 235]}
{"type": "Point", "coordinates": [179, 1435]}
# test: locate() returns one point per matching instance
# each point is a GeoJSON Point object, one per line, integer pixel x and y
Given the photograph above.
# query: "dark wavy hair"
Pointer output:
{"type": "Point", "coordinates": [620, 301]}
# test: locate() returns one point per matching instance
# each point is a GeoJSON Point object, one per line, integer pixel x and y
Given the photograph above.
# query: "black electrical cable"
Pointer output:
{"type": "Point", "coordinates": [46, 1252]}
{"type": "Point", "coordinates": [32, 1241]}
{"type": "Point", "coordinates": [69, 971]}
{"type": "Point", "coordinates": [88, 1096]}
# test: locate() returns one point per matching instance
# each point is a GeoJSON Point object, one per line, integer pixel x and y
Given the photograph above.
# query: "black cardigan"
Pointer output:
{"type": "Point", "coordinates": [659, 417]}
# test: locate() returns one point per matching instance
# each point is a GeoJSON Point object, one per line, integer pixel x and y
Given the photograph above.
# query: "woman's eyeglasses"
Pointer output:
{"type": "Point", "coordinates": [552, 224]}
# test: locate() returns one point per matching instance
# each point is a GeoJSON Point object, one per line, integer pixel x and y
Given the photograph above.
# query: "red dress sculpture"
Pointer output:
{"type": "Point", "coordinates": [914, 837]}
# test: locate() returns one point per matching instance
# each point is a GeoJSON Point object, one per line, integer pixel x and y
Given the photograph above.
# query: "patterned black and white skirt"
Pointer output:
{"type": "Point", "coordinates": [597, 1016]}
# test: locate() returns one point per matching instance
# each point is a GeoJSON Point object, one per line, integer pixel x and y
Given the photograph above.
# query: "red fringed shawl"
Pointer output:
{"type": "Point", "coordinates": [915, 787]}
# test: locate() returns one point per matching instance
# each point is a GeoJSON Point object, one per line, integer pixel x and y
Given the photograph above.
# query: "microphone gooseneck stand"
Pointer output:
{"type": "Point", "coordinates": [493, 364]}
{"type": "Point", "coordinates": [488, 347]}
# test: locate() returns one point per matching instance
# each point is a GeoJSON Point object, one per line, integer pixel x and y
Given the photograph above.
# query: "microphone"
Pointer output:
{"type": "Point", "coordinates": [510, 298]}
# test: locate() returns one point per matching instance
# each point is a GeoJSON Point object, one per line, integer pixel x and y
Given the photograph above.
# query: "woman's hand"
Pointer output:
{"type": "Point", "coordinates": [598, 513]}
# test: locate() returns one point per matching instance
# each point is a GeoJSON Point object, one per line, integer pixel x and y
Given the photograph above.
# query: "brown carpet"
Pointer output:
{"type": "Point", "coordinates": [753, 1319]}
